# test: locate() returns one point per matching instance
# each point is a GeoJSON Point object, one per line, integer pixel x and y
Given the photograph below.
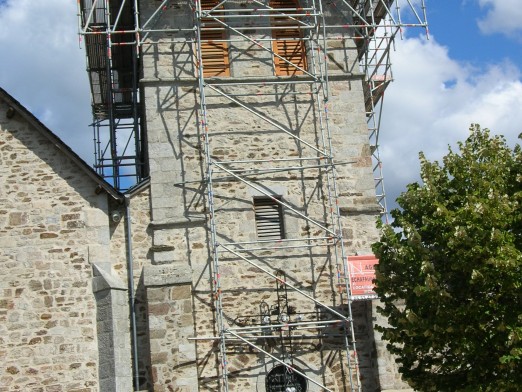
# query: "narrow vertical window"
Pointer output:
{"type": "Point", "coordinates": [214, 49]}
{"type": "Point", "coordinates": [287, 40]}
{"type": "Point", "coordinates": [269, 218]}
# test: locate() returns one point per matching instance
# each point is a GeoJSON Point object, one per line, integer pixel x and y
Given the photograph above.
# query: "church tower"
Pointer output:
{"type": "Point", "coordinates": [255, 123]}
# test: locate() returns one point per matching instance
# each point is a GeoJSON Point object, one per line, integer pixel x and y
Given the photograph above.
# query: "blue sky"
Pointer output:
{"type": "Point", "coordinates": [457, 25]}
{"type": "Point", "coordinates": [469, 71]}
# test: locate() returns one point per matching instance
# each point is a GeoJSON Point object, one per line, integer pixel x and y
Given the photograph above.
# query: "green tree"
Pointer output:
{"type": "Point", "coordinates": [450, 277]}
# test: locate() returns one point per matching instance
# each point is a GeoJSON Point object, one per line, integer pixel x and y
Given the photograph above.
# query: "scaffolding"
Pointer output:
{"type": "Point", "coordinates": [110, 35]}
{"type": "Point", "coordinates": [377, 25]}
{"type": "Point", "coordinates": [275, 325]}
{"type": "Point", "coordinates": [296, 315]}
{"type": "Point", "coordinates": [113, 33]}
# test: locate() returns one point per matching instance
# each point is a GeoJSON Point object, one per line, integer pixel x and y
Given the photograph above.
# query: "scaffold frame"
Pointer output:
{"type": "Point", "coordinates": [374, 25]}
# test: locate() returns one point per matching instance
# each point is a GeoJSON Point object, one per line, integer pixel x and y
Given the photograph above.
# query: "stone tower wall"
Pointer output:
{"type": "Point", "coordinates": [182, 279]}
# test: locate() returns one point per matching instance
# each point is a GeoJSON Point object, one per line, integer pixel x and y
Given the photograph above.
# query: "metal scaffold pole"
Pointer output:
{"type": "Point", "coordinates": [210, 165]}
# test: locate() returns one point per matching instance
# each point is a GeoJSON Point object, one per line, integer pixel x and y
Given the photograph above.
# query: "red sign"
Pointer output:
{"type": "Point", "coordinates": [362, 274]}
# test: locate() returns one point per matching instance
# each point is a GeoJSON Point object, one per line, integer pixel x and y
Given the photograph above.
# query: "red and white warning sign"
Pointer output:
{"type": "Point", "coordinates": [362, 274]}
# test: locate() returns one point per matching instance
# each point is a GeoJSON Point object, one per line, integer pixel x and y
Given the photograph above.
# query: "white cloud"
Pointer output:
{"type": "Point", "coordinates": [44, 68]}
{"type": "Point", "coordinates": [503, 16]}
{"type": "Point", "coordinates": [433, 101]}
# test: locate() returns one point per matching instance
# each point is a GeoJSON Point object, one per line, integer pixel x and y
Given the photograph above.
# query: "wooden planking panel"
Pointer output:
{"type": "Point", "coordinates": [287, 42]}
{"type": "Point", "coordinates": [214, 51]}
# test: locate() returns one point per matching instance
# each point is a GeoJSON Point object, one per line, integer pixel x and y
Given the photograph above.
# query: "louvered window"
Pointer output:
{"type": "Point", "coordinates": [214, 50]}
{"type": "Point", "coordinates": [288, 42]}
{"type": "Point", "coordinates": [269, 218]}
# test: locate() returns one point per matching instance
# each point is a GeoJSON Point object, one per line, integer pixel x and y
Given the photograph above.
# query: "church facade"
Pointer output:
{"type": "Point", "coordinates": [227, 267]}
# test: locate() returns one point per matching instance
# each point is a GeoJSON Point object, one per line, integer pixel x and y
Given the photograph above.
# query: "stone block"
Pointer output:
{"type": "Point", "coordinates": [163, 257]}
{"type": "Point", "coordinates": [179, 292]}
{"type": "Point", "coordinates": [165, 275]}
{"type": "Point", "coordinates": [95, 218]}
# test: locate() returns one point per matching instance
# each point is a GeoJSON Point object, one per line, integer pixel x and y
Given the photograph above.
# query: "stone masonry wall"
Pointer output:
{"type": "Point", "coordinates": [182, 237]}
{"type": "Point", "coordinates": [52, 225]}
{"type": "Point", "coordinates": [262, 122]}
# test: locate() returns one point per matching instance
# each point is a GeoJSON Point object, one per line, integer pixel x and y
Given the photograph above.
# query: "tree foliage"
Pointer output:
{"type": "Point", "coordinates": [450, 275]}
